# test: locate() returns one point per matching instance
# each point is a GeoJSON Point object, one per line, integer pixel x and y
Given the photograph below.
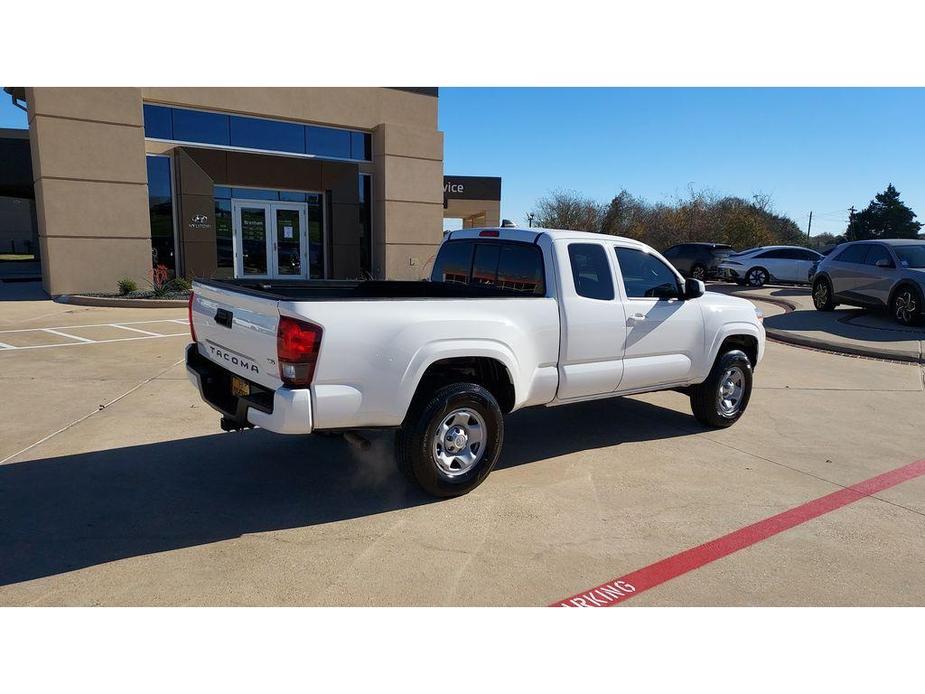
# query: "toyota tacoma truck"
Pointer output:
{"type": "Point", "coordinates": [510, 318]}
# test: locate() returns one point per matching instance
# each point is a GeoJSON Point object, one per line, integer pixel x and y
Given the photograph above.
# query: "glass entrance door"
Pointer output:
{"type": "Point", "coordinates": [270, 239]}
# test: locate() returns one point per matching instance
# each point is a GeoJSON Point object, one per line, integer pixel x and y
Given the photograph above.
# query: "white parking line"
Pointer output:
{"type": "Point", "coordinates": [96, 325]}
{"type": "Point", "coordinates": [95, 342]}
{"type": "Point", "coordinates": [71, 337]}
{"type": "Point", "coordinates": [79, 340]}
{"type": "Point", "coordinates": [136, 330]}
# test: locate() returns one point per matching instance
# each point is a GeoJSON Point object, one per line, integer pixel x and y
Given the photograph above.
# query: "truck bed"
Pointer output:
{"type": "Point", "coordinates": [365, 290]}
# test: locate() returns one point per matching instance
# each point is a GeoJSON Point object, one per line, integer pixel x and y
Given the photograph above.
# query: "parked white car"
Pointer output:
{"type": "Point", "coordinates": [511, 318]}
{"type": "Point", "coordinates": [759, 266]}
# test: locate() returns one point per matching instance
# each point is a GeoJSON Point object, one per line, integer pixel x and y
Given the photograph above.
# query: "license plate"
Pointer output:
{"type": "Point", "coordinates": [240, 387]}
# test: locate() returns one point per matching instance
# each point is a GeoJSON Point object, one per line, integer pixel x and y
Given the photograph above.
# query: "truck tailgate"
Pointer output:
{"type": "Point", "coordinates": [238, 332]}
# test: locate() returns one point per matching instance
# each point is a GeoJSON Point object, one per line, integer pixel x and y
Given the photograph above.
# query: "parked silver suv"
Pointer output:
{"type": "Point", "coordinates": [887, 273]}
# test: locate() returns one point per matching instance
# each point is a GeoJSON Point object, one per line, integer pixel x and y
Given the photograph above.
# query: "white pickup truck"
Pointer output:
{"type": "Point", "coordinates": [510, 318]}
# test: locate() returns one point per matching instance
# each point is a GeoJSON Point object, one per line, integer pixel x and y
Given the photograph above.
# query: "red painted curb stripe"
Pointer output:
{"type": "Point", "coordinates": [621, 589]}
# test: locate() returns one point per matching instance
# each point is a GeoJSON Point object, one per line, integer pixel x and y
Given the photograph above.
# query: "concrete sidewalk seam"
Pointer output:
{"type": "Point", "coordinates": [90, 414]}
{"type": "Point", "coordinates": [810, 474]}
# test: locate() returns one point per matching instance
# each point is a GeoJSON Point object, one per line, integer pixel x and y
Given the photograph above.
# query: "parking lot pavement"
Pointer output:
{"type": "Point", "coordinates": [145, 502]}
{"type": "Point", "coordinates": [846, 329]}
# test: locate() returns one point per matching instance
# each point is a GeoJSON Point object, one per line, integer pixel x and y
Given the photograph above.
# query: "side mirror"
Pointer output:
{"type": "Point", "coordinates": [884, 262]}
{"type": "Point", "coordinates": [693, 288]}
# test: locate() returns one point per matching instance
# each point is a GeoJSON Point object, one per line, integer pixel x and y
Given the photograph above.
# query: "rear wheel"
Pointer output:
{"type": "Point", "coordinates": [906, 306]}
{"type": "Point", "coordinates": [721, 399]}
{"type": "Point", "coordinates": [823, 297]}
{"type": "Point", "coordinates": [450, 441]}
{"type": "Point", "coordinates": [756, 277]}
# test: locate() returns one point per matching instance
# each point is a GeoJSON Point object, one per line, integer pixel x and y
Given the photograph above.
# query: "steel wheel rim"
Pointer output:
{"type": "Point", "coordinates": [821, 295]}
{"type": "Point", "coordinates": [905, 306]}
{"type": "Point", "coordinates": [730, 391]}
{"type": "Point", "coordinates": [458, 444]}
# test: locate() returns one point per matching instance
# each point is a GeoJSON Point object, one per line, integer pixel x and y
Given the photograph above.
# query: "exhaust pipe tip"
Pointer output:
{"type": "Point", "coordinates": [357, 440]}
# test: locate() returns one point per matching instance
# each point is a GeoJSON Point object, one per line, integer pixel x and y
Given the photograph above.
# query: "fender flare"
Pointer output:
{"type": "Point", "coordinates": [439, 350]}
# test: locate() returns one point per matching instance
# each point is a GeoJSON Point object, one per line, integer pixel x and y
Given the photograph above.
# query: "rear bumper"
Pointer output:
{"type": "Point", "coordinates": [283, 411]}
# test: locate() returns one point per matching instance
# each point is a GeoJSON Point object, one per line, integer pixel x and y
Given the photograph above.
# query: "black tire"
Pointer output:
{"type": "Point", "coordinates": [415, 442]}
{"type": "Point", "coordinates": [699, 272]}
{"type": "Point", "coordinates": [906, 305]}
{"type": "Point", "coordinates": [757, 277]}
{"type": "Point", "coordinates": [823, 296]}
{"type": "Point", "coordinates": [705, 397]}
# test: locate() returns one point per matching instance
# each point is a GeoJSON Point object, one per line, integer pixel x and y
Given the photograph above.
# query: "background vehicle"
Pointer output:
{"type": "Point", "coordinates": [511, 318]}
{"type": "Point", "coordinates": [758, 266]}
{"type": "Point", "coordinates": [698, 260]}
{"type": "Point", "coordinates": [883, 274]}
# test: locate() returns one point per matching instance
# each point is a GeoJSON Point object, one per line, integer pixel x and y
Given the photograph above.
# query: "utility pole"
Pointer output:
{"type": "Point", "coordinates": [809, 229]}
{"type": "Point", "coordinates": [530, 219]}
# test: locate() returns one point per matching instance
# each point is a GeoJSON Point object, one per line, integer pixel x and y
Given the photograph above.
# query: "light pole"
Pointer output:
{"type": "Point", "coordinates": [530, 217]}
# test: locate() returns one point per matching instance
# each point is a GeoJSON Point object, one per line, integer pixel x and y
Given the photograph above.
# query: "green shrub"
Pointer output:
{"type": "Point", "coordinates": [181, 284]}
{"type": "Point", "coordinates": [127, 285]}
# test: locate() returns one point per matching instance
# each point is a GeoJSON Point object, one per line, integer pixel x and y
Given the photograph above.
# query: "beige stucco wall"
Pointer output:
{"type": "Point", "coordinates": [88, 160]}
{"type": "Point", "coordinates": [88, 152]}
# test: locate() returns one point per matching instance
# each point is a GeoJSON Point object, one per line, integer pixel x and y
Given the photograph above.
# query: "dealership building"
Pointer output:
{"type": "Point", "coordinates": [308, 183]}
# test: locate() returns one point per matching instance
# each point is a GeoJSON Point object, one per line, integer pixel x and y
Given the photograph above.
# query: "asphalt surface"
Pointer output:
{"type": "Point", "coordinates": [118, 488]}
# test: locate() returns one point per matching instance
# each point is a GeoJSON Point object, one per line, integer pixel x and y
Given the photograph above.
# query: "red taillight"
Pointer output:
{"type": "Point", "coordinates": [297, 344]}
{"type": "Point", "coordinates": [492, 233]}
{"type": "Point", "coordinates": [189, 311]}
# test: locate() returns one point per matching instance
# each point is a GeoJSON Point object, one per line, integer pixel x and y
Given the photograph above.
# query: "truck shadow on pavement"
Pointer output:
{"type": "Point", "coordinates": [74, 511]}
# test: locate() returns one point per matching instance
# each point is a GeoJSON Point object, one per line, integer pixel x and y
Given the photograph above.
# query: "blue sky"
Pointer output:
{"type": "Point", "coordinates": [809, 149]}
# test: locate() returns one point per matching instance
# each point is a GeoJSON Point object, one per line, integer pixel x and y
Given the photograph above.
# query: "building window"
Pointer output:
{"type": "Point", "coordinates": [259, 134]}
{"type": "Point", "coordinates": [160, 208]}
{"type": "Point", "coordinates": [366, 225]}
{"type": "Point", "coordinates": [224, 224]}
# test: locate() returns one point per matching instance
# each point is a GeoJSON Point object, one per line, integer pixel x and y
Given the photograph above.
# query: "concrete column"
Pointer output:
{"type": "Point", "coordinates": [88, 159]}
{"type": "Point", "coordinates": [407, 200]}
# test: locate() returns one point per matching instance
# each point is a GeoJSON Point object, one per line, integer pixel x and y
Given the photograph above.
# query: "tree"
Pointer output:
{"type": "Point", "coordinates": [886, 217]}
{"type": "Point", "coordinates": [624, 215]}
{"type": "Point", "coordinates": [566, 209]}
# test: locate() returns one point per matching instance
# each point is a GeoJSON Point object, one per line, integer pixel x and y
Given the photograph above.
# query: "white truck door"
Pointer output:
{"type": "Point", "coordinates": [665, 333]}
{"type": "Point", "coordinates": [593, 323]}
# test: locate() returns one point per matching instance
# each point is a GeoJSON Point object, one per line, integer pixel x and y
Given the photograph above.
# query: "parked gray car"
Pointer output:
{"type": "Point", "coordinates": [883, 274]}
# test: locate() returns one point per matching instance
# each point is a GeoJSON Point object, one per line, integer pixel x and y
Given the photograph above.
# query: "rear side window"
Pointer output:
{"type": "Point", "coordinates": [777, 254]}
{"type": "Point", "coordinates": [590, 271]}
{"type": "Point", "coordinates": [877, 253]}
{"type": "Point", "coordinates": [514, 267]}
{"type": "Point", "coordinates": [453, 263]}
{"type": "Point", "coordinates": [853, 254]}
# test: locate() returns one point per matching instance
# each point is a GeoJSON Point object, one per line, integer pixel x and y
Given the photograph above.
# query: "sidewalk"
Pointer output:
{"type": "Point", "coordinates": [846, 329]}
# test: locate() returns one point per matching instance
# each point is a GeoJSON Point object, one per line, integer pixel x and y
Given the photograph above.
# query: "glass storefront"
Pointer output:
{"type": "Point", "coordinates": [160, 208]}
{"type": "Point", "coordinates": [277, 233]}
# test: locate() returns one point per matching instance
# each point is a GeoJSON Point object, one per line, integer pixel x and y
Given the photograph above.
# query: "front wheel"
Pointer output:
{"type": "Point", "coordinates": [906, 305]}
{"type": "Point", "coordinates": [721, 399]}
{"type": "Point", "coordinates": [823, 297]}
{"type": "Point", "coordinates": [756, 277]}
{"type": "Point", "coordinates": [450, 441]}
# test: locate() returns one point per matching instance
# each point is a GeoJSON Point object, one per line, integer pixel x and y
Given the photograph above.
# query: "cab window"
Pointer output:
{"type": "Point", "coordinates": [645, 276]}
{"type": "Point", "coordinates": [590, 271]}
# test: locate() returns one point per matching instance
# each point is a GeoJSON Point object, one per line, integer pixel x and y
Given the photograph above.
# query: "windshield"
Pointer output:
{"type": "Point", "coordinates": [911, 256]}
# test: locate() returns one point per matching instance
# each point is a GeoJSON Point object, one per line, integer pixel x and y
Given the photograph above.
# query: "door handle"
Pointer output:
{"type": "Point", "coordinates": [635, 318]}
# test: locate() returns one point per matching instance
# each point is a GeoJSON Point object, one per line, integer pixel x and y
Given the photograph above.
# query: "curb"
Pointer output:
{"type": "Point", "coordinates": [791, 338]}
{"type": "Point", "coordinates": [113, 302]}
